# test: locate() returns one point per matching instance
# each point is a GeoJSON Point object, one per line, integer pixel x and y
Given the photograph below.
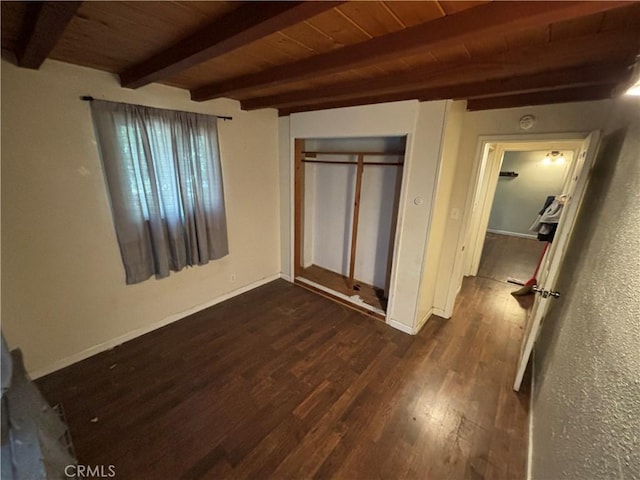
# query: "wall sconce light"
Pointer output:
{"type": "Point", "coordinates": [554, 157]}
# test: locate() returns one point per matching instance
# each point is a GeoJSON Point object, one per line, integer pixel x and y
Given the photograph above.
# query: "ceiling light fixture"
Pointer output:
{"type": "Point", "coordinates": [555, 156]}
{"type": "Point", "coordinates": [634, 89]}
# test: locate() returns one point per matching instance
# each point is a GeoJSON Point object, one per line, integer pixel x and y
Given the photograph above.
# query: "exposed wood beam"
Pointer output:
{"type": "Point", "coordinates": [250, 22]}
{"type": "Point", "coordinates": [572, 77]}
{"type": "Point", "coordinates": [579, 94]}
{"type": "Point", "coordinates": [496, 18]}
{"type": "Point", "coordinates": [547, 81]}
{"type": "Point", "coordinates": [43, 26]}
{"type": "Point", "coordinates": [608, 47]}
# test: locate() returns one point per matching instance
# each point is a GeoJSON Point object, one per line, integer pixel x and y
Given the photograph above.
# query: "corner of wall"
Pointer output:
{"type": "Point", "coordinates": [284, 198]}
{"type": "Point", "coordinates": [437, 273]}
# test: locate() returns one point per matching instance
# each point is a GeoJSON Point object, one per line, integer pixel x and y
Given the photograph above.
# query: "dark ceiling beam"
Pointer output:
{"type": "Point", "coordinates": [43, 26]}
{"type": "Point", "coordinates": [548, 81]}
{"type": "Point", "coordinates": [495, 18]}
{"type": "Point", "coordinates": [248, 23]}
{"type": "Point", "coordinates": [606, 73]}
{"type": "Point", "coordinates": [609, 47]}
{"type": "Point", "coordinates": [355, 102]}
{"type": "Point", "coordinates": [578, 94]}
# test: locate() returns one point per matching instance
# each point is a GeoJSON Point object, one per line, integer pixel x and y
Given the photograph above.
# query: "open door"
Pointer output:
{"type": "Point", "coordinates": [574, 189]}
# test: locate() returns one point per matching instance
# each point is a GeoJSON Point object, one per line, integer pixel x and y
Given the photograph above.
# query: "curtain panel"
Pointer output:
{"type": "Point", "coordinates": [164, 179]}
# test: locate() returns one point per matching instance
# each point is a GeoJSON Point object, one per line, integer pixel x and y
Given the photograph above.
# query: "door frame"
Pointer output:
{"type": "Point", "coordinates": [487, 184]}
{"type": "Point", "coordinates": [296, 183]}
{"type": "Point", "coordinates": [457, 272]}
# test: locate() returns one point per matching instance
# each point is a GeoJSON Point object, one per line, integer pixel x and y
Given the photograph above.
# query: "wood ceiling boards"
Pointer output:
{"type": "Point", "coordinates": [301, 56]}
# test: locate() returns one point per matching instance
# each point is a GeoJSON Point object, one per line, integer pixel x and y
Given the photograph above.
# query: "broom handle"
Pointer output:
{"type": "Point", "coordinates": [535, 274]}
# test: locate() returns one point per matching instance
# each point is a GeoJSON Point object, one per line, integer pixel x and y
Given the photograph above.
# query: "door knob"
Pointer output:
{"type": "Point", "coordinates": [546, 293]}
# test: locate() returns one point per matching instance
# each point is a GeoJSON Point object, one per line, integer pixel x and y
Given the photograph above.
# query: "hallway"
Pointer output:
{"type": "Point", "coordinates": [282, 383]}
{"type": "Point", "coordinates": [505, 256]}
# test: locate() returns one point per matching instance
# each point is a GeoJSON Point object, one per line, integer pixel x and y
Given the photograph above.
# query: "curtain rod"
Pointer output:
{"type": "Point", "coordinates": [89, 98]}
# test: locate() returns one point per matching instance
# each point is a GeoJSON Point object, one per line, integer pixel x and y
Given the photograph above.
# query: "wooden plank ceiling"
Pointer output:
{"type": "Point", "coordinates": [302, 56]}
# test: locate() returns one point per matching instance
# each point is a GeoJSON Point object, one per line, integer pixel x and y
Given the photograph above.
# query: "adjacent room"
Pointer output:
{"type": "Point", "coordinates": [528, 182]}
{"type": "Point", "coordinates": [281, 239]}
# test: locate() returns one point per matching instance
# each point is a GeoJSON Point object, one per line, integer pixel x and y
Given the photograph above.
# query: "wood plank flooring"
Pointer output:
{"type": "Point", "coordinates": [339, 283]}
{"type": "Point", "coordinates": [505, 256]}
{"type": "Point", "coordinates": [282, 383]}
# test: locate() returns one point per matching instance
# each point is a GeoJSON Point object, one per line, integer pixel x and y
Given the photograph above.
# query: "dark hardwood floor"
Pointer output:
{"type": "Point", "coordinates": [283, 383]}
{"type": "Point", "coordinates": [505, 256]}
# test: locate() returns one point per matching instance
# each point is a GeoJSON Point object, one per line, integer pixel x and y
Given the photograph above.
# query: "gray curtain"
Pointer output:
{"type": "Point", "coordinates": [163, 174]}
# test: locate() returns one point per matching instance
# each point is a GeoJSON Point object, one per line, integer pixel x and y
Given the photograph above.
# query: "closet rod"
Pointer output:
{"type": "Point", "coordinates": [306, 160]}
{"type": "Point", "coordinates": [377, 154]}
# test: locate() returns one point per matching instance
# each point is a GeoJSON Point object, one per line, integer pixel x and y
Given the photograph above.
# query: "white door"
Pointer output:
{"type": "Point", "coordinates": [574, 189]}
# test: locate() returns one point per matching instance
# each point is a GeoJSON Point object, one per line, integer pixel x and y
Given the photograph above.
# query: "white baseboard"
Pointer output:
{"type": "Point", "coordinates": [114, 342]}
{"type": "Point", "coordinates": [400, 326]}
{"type": "Point", "coordinates": [512, 234]}
{"type": "Point", "coordinates": [286, 277]}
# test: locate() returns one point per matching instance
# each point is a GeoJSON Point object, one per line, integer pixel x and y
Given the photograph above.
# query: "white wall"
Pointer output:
{"type": "Point", "coordinates": [328, 199]}
{"type": "Point", "coordinates": [440, 216]}
{"type": "Point", "coordinates": [63, 284]}
{"type": "Point", "coordinates": [518, 200]}
{"type": "Point", "coordinates": [375, 224]}
{"type": "Point", "coordinates": [285, 197]}
{"type": "Point", "coordinates": [423, 123]}
{"type": "Point", "coordinates": [562, 118]}
{"type": "Point", "coordinates": [586, 402]}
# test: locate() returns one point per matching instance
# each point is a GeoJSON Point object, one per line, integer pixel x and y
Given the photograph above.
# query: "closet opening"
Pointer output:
{"type": "Point", "coordinates": [347, 193]}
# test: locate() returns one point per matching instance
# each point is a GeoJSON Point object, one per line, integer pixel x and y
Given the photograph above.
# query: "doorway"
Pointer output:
{"type": "Point", "coordinates": [573, 190]}
{"type": "Point", "coordinates": [516, 179]}
{"type": "Point", "coordinates": [528, 181]}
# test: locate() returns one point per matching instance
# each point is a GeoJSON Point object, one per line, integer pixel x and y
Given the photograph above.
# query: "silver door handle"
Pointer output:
{"type": "Point", "coordinates": [546, 293]}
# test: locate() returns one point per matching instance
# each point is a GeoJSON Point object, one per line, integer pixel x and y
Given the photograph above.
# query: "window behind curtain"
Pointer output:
{"type": "Point", "coordinates": [165, 184]}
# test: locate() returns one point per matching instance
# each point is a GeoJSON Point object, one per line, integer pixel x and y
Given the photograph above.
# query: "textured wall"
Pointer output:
{"type": "Point", "coordinates": [586, 401]}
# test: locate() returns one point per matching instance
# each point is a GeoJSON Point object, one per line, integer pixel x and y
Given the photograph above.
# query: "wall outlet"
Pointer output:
{"type": "Point", "coordinates": [232, 278]}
